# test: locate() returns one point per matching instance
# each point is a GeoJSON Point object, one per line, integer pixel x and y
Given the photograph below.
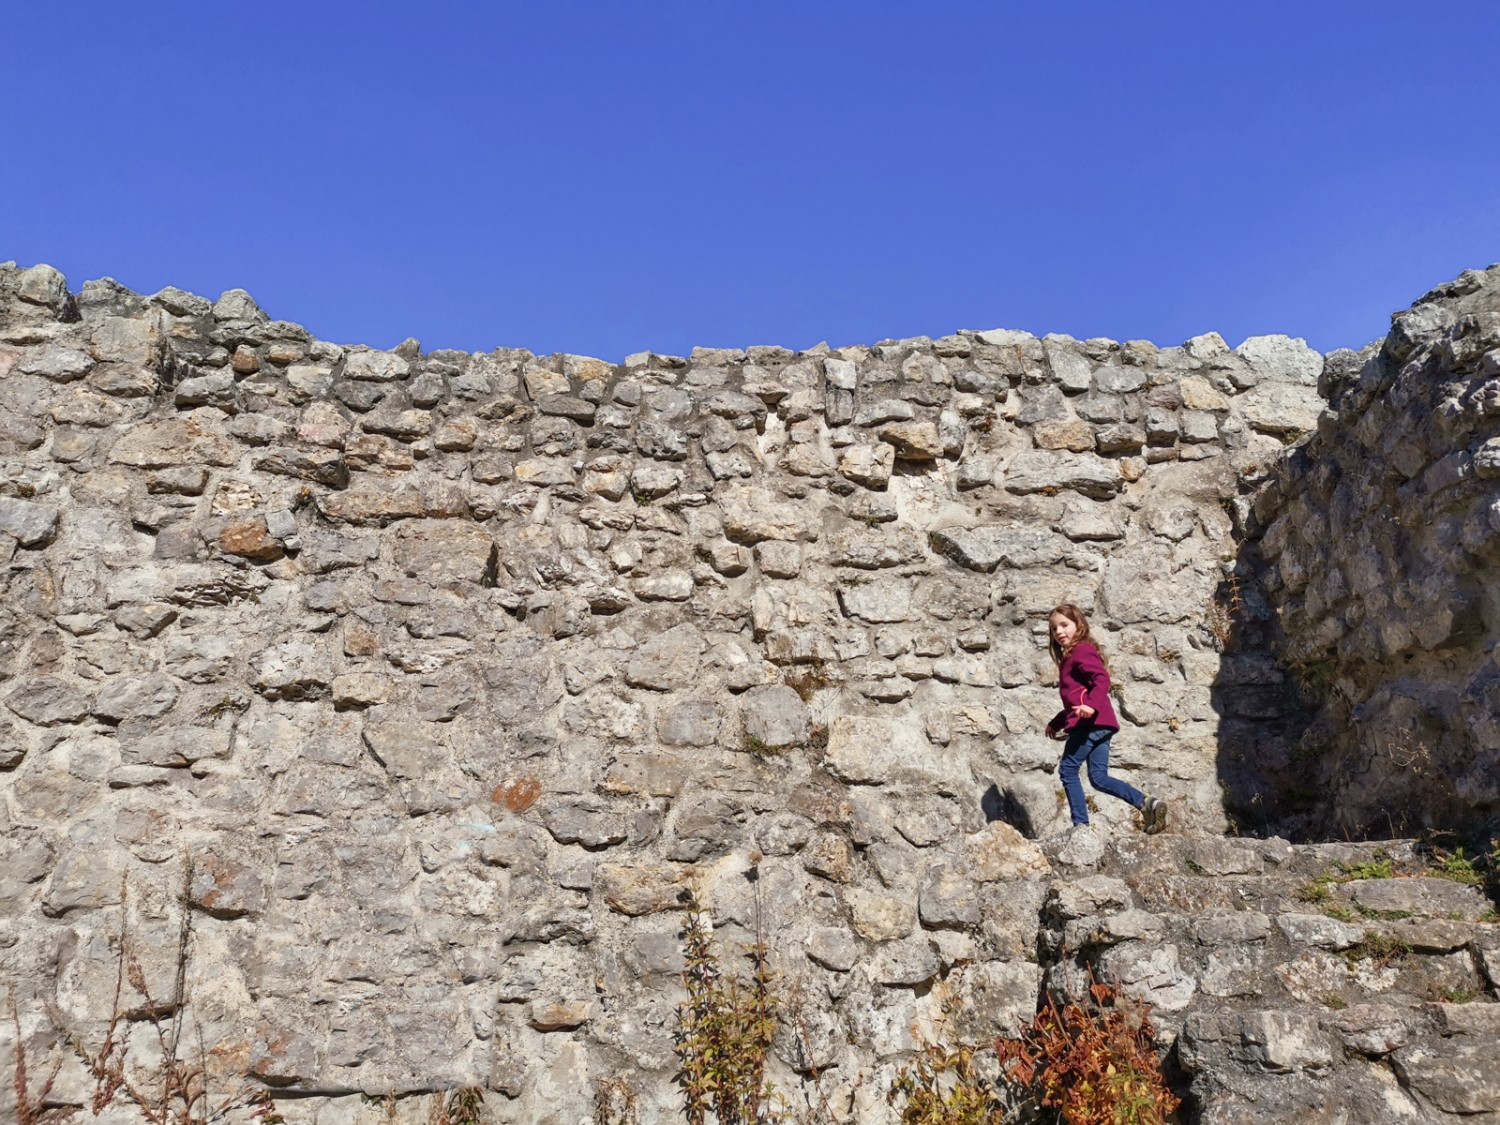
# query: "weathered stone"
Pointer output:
{"type": "Point", "coordinates": [834, 948]}
{"type": "Point", "coordinates": [366, 505]}
{"type": "Point", "coordinates": [1456, 1078]}
{"type": "Point", "coordinates": [147, 697]}
{"type": "Point", "coordinates": [175, 748]}
{"type": "Point", "coordinates": [753, 514]}
{"type": "Point", "coordinates": [1075, 436]}
{"type": "Point", "coordinates": [43, 285]}
{"type": "Point", "coordinates": [985, 548]}
{"type": "Point", "coordinates": [373, 366]}
{"type": "Point", "coordinates": [869, 465]}
{"type": "Point", "coordinates": [667, 661]}
{"type": "Point", "coordinates": [62, 365]}
{"type": "Point", "coordinates": [1437, 898]}
{"type": "Point", "coordinates": [47, 701]}
{"type": "Point", "coordinates": [775, 717]}
{"type": "Point", "coordinates": [1282, 358]}
{"type": "Point", "coordinates": [250, 539]}
{"type": "Point", "coordinates": [1281, 409]}
{"type": "Point", "coordinates": [637, 889]}
{"type": "Point", "coordinates": [176, 441]}
{"type": "Point", "coordinates": [914, 441]}
{"type": "Point", "coordinates": [590, 823]}
{"type": "Point", "coordinates": [444, 551]}
{"type": "Point", "coordinates": [1037, 471]}
{"type": "Point", "coordinates": [30, 524]}
{"type": "Point", "coordinates": [1372, 1029]}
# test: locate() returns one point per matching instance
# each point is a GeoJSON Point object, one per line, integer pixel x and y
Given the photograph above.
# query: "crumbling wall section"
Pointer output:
{"type": "Point", "coordinates": [1381, 536]}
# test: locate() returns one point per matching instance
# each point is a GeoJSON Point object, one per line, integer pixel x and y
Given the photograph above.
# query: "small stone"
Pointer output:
{"type": "Point", "coordinates": [251, 539]}
{"type": "Point", "coordinates": [29, 523]}
{"type": "Point", "coordinates": [778, 559]}
{"type": "Point", "coordinates": [559, 1015]}
{"type": "Point", "coordinates": [1077, 437]}
{"type": "Point", "coordinates": [244, 360]}
{"type": "Point", "coordinates": [868, 465]}
{"type": "Point", "coordinates": [358, 690]}
{"type": "Point", "coordinates": [642, 888]}
{"type": "Point", "coordinates": [47, 701]}
{"type": "Point", "coordinates": [775, 717]}
{"type": "Point", "coordinates": [914, 441]}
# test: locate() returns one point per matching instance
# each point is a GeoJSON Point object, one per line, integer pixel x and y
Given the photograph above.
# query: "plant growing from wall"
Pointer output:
{"type": "Point", "coordinates": [1093, 1059]}
{"type": "Point", "coordinates": [724, 1033]}
{"type": "Point", "coordinates": [174, 1089]}
{"type": "Point", "coordinates": [939, 1086]}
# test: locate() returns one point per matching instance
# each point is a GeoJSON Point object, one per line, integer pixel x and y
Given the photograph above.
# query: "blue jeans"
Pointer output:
{"type": "Point", "coordinates": [1091, 745]}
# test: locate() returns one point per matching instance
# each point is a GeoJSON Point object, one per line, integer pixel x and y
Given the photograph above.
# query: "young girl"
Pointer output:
{"type": "Point", "coordinates": [1087, 719]}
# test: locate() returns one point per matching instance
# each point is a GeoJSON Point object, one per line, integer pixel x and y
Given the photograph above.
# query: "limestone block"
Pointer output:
{"type": "Point", "coordinates": [833, 947]}
{"type": "Point", "coordinates": [60, 364]}
{"type": "Point", "coordinates": [753, 514]}
{"type": "Point", "coordinates": [830, 856]}
{"type": "Point", "coordinates": [877, 601]}
{"type": "Point", "coordinates": [31, 524]}
{"type": "Point", "coordinates": [693, 723]}
{"type": "Point", "coordinates": [1075, 436]}
{"type": "Point", "coordinates": [192, 439]}
{"type": "Point", "coordinates": [998, 852]}
{"type": "Point", "coordinates": [586, 821]}
{"type": "Point", "coordinates": [883, 411]}
{"type": "Point", "coordinates": [43, 285]}
{"type": "Point", "coordinates": [135, 697]}
{"type": "Point", "coordinates": [1285, 1041]}
{"type": "Point", "coordinates": [375, 367]}
{"type": "Point", "coordinates": [871, 751]}
{"type": "Point", "coordinates": [1278, 408]}
{"type": "Point", "coordinates": [293, 670]}
{"type": "Point", "coordinates": [1034, 471]}
{"type": "Point", "coordinates": [948, 899]}
{"type": "Point", "coordinates": [775, 716]}
{"type": "Point", "coordinates": [443, 551]}
{"type": "Point", "coordinates": [1281, 358]}
{"type": "Point", "coordinates": [46, 701]}
{"type": "Point", "coordinates": [987, 547]}
{"type": "Point", "coordinates": [667, 661]}
{"type": "Point", "coordinates": [914, 441]}
{"type": "Point", "coordinates": [642, 888]}
{"type": "Point", "coordinates": [904, 963]}
{"type": "Point", "coordinates": [1429, 897]}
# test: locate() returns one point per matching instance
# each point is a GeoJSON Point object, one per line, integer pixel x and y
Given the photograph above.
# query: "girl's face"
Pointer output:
{"type": "Point", "coordinates": [1064, 629]}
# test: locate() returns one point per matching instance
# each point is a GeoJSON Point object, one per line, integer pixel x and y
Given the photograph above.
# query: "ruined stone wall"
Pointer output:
{"type": "Point", "coordinates": [1382, 538]}
{"type": "Point", "coordinates": [443, 680]}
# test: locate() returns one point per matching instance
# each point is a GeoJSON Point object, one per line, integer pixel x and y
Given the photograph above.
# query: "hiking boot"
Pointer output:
{"type": "Point", "coordinates": [1154, 813]}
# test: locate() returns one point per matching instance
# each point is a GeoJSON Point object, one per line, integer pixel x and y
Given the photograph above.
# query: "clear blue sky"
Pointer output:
{"type": "Point", "coordinates": [609, 177]}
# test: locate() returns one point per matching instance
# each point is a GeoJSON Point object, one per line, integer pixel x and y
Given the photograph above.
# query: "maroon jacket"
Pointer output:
{"type": "Point", "coordinates": [1082, 678]}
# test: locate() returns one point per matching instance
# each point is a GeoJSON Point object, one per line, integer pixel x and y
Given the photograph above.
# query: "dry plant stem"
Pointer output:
{"type": "Point", "coordinates": [614, 1102]}
{"type": "Point", "coordinates": [28, 1108]}
{"type": "Point", "coordinates": [177, 1091]}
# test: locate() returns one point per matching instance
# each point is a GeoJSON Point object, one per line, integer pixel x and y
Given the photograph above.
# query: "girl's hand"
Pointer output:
{"type": "Point", "coordinates": [1084, 711]}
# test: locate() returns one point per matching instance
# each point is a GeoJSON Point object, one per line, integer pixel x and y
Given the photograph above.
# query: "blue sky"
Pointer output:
{"type": "Point", "coordinates": [610, 177]}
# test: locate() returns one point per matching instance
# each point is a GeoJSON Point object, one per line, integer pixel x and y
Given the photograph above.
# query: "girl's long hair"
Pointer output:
{"type": "Point", "coordinates": [1075, 615]}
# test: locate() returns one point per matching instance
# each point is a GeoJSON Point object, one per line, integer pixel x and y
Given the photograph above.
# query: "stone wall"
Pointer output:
{"type": "Point", "coordinates": [1381, 539]}
{"type": "Point", "coordinates": [442, 682]}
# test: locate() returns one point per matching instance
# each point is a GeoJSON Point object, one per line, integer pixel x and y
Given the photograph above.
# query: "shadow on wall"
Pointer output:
{"type": "Point", "coordinates": [1297, 757]}
{"type": "Point", "coordinates": [1004, 805]}
{"type": "Point", "coordinates": [1268, 783]}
